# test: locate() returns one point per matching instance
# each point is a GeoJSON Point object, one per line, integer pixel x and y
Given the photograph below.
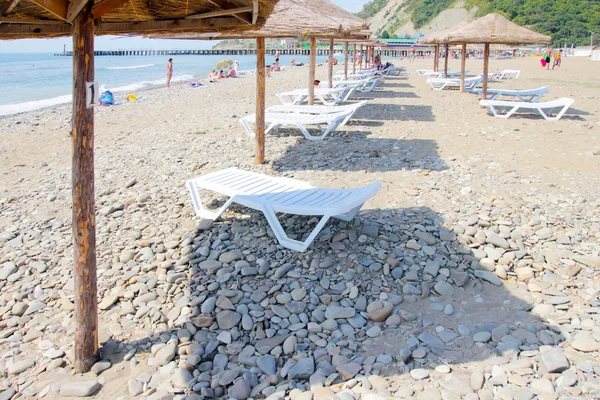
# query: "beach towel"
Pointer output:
{"type": "Point", "coordinates": [131, 98]}
{"type": "Point", "coordinates": [107, 98]}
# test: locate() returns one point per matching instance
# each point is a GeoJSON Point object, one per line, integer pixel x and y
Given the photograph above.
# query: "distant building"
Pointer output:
{"type": "Point", "coordinates": [288, 43]}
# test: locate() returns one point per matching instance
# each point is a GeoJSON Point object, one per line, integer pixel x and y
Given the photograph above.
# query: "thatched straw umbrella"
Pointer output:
{"type": "Point", "coordinates": [292, 18]}
{"type": "Point", "coordinates": [438, 38]}
{"type": "Point", "coordinates": [83, 19]}
{"type": "Point", "coordinates": [491, 29]}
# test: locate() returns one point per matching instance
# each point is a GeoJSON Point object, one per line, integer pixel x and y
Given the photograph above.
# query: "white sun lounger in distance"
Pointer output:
{"type": "Point", "coordinates": [443, 83]}
{"type": "Point", "coordinates": [362, 85]}
{"type": "Point", "coordinates": [529, 96]}
{"type": "Point", "coordinates": [271, 195]}
{"type": "Point", "coordinates": [495, 107]}
{"type": "Point", "coordinates": [327, 96]}
{"type": "Point", "coordinates": [440, 74]}
{"type": "Point", "coordinates": [506, 74]}
{"type": "Point", "coordinates": [326, 123]}
{"type": "Point", "coordinates": [318, 109]}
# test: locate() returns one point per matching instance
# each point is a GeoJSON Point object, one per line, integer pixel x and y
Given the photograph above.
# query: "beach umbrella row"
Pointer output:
{"type": "Point", "coordinates": [491, 29]}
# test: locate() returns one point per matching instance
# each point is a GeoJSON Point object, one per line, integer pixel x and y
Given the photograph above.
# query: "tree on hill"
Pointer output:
{"type": "Point", "coordinates": [385, 35]}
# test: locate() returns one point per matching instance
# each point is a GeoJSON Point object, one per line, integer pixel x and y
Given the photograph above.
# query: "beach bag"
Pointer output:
{"type": "Point", "coordinates": [543, 61]}
{"type": "Point", "coordinates": [131, 98]}
{"type": "Point", "coordinates": [107, 98]}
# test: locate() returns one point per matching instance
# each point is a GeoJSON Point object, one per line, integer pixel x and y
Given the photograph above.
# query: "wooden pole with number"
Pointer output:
{"type": "Point", "coordinates": [311, 71]}
{"type": "Point", "coordinates": [260, 100]}
{"type": "Point", "coordinates": [84, 208]}
{"type": "Point", "coordinates": [354, 63]}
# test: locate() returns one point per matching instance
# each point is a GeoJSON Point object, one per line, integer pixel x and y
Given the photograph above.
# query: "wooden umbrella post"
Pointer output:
{"type": "Point", "coordinates": [362, 48]}
{"type": "Point", "coordinates": [463, 60]}
{"type": "Point", "coordinates": [354, 63]}
{"type": "Point", "coordinates": [436, 52]}
{"type": "Point", "coordinates": [84, 208]}
{"type": "Point", "coordinates": [260, 100]}
{"type": "Point", "coordinates": [486, 59]}
{"type": "Point", "coordinates": [446, 61]}
{"type": "Point", "coordinates": [331, 49]}
{"type": "Point", "coordinates": [346, 61]}
{"type": "Point", "coordinates": [311, 71]}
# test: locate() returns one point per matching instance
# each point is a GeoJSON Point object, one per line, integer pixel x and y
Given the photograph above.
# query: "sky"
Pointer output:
{"type": "Point", "coordinates": [116, 43]}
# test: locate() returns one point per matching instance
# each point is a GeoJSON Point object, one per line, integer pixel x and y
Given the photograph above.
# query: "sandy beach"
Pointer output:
{"type": "Point", "coordinates": [482, 226]}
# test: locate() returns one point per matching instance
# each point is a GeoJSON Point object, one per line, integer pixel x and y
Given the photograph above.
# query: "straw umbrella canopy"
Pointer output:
{"type": "Point", "coordinates": [438, 38]}
{"type": "Point", "coordinates": [53, 18]}
{"type": "Point", "coordinates": [83, 19]}
{"type": "Point", "coordinates": [491, 29]}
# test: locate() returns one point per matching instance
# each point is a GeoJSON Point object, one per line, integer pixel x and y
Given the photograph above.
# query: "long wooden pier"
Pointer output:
{"type": "Point", "coordinates": [401, 52]}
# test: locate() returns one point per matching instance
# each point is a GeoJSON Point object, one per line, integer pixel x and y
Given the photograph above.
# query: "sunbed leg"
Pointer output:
{"type": "Point", "coordinates": [282, 237]}
{"type": "Point", "coordinates": [247, 128]}
{"type": "Point", "coordinates": [306, 133]}
{"type": "Point", "coordinates": [562, 112]}
{"type": "Point", "coordinates": [349, 216]}
{"type": "Point", "coordinates": [201, 211]}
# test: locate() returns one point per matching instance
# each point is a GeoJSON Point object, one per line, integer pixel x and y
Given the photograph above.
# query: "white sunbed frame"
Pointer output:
{"type": "Point", "coordinates": [318, 109]}
{"type": "Point", "coordinates": [494, 106]}
{"type": "Point", "coordinates": [528, 96]}
{"type": "Point", "coordinates": [271, 195]}
{"type": "Point", "coordinates": [443, 83]}
{"type": "Point", "coordinates": [327, 96]}
{"type": "Point", "coordinates": [440, 74]}
{"type": "Point", "coordinates": [362, 85]}
{"type": "Point", "coordinates": [326, 123]}
{"type": "Point", "coordinates": [424, 72]}
{"type": "Point", "coordinates": [506, 74]}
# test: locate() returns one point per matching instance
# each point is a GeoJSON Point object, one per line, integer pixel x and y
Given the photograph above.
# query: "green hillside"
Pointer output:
{"type": "Point", "coordinates": [567, 21]}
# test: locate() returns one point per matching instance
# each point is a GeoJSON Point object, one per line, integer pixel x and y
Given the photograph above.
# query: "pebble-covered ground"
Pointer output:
{"type": "Point", "coordinates": [472, 274]}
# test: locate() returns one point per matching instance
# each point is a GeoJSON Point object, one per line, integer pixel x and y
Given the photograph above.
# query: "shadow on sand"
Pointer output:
{"type": "Point", "coordinates": [407, 258]}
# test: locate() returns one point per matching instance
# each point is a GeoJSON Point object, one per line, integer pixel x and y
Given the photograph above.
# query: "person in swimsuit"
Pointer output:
{"type": "Point", "coordinates": [412, 54]}
{"type": "Point", "coordinates": [557, 59]}
{"type": "Point", "coordinates": [169, 71]}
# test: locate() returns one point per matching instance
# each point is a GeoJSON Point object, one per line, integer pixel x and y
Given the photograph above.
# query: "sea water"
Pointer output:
{"type": "Point", "coordinates": [34, 81]}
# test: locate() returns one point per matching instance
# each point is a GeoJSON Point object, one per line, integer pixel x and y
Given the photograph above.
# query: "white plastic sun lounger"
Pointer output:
{"type": "Point", "coordinates": [326, 123]}
{"type": "Point", "coordinates": [440, 74]}
{"type": "Point", "coordinates": [327, 96]}
{"type": "Point", "coordinates": [354, 77]}
{"type": "Point", "coordinates": [271, 195]}
{"type": "Point", "coordinates": [443, 83]}
{"type": "Point", "coordinates": [424, 72]}
{"type": "Point", "coordinates": [362, 85]}
{"type": "Point", "coordinates": [318, 109]}
{"type": "Point", "coordinates": [506, 74]}
{"type": "Point", "coordinates": [529, 96]}
{"type": "Point", "coordinates": [495, 107]}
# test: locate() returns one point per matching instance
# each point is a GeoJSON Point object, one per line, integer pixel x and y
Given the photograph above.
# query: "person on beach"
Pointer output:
{"type": "Point", "coordinates": [557, 59]}
{"type": "Point", "coordinates": [213, 76]}
{"type": "Point", "coordinates": [412, 54]}
{"type": "Point", "coordinates": [222, 74]}
{"type": "Point", "coordinates": [293, 63]}
{"type": "Point", "coordinates": [359, 59]}
{"type": "Point", "coordinates": [546, 57]}
{"type": "Point", "coordinates": [232, 73]}
{"type": "Point", "coordinates": [169, 71]}
{"type": "Point", "coordinates": [236, 67]}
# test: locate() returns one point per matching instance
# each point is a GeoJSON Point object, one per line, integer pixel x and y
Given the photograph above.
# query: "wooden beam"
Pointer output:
{"type": "Point", "coordinates": [84, 217]}
{"type": "Point", "coordinates": [28, 30]}
{"type": "Point", "coordinates": [245, 18]}
{"type": "Point", "coordinates": [260, 100]}
{"type": "Point", "coordinates": [58, 8]}
{"type": "Point", "coordinates": [255, 9]}
{"type": "Point", "coordinates": [7, 7]}
{"type": "Point", "coordinates": [463, 62]}
{"type": "Point", "coordinates": [436, 53]}
{"type": "Point", "coordinates": [311, 71]}
{"type": "Point", "coordinates": [75, 6]}
{"type": "Point", "coordinates": [106, 6]}
{"type": "Point", "coordinates": [31, 21]}
{"type": "Point", "coordinates": [330, 69]}
{"type": "Point", "coordinates": [486, 60]}
{"type": "Point", "coordinates": [220, 13]}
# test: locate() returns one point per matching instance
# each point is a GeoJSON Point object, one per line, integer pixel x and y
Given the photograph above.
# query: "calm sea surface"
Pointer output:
{"type": "Point", "coordinates": [33, 81]}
